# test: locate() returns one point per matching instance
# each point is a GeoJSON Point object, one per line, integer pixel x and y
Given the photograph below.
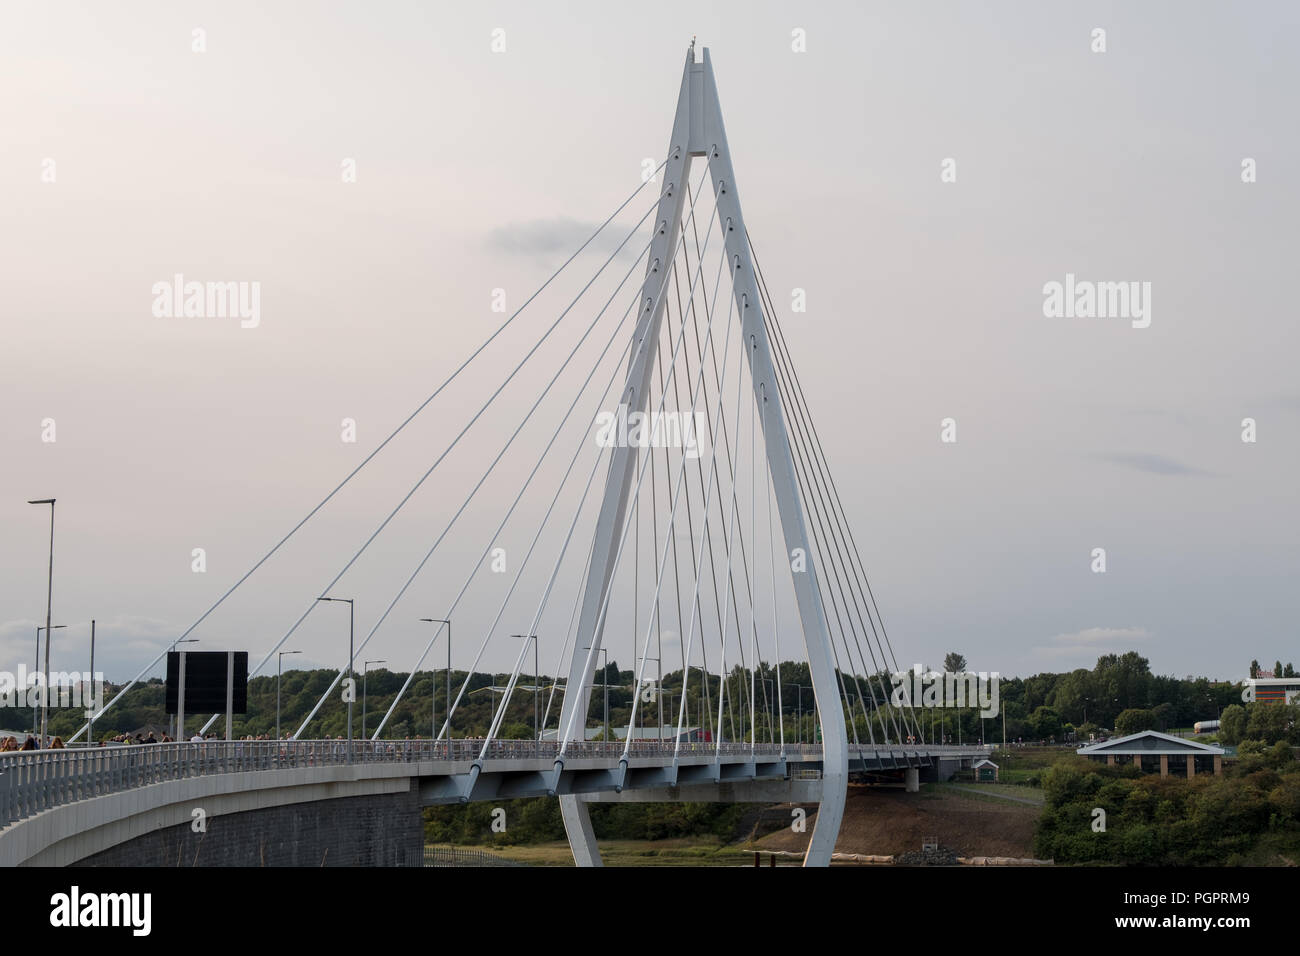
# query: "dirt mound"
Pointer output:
{"type": "Point", "coordinates": [891, 822]}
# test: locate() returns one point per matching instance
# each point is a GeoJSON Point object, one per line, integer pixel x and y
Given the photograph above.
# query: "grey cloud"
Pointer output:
{"type": "Point", "coordinates": [557, 236]}
{"type": "Point", "coordinates": [1154, 464]}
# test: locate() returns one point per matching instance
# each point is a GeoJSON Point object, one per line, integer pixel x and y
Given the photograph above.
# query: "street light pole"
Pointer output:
{"type": "Point", "coordinates": [537, 687]}
{"type": "Point", "coordinates": [365, 674]}
{"type": "Point", "coordinates": [36, 669]}
{"type": "Point", "coordinates": [90, 711]}
{"type": "Point", "coordinates": [279, 666]}
{"type": "Point", "coordinates": [180, 698]}
{"type": "Point", "coordinates": [37, 728]}
{"type": "Point", "coordinates": [659, 697]}
{"type": "Point", "coordinates": [351, 603]}
{"type": "Point", "coordinates": [49, 601]}
{"type": "Point", "coordinates": [769, 705]}
{"type": "Point", "coordinates": [433, 692]}
{"type": "Point", "coordinates": [604, 733]}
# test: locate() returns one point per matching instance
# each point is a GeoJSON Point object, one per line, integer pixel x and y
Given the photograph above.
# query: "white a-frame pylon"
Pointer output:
{"type": "Point", "coordinates": [698, 131]}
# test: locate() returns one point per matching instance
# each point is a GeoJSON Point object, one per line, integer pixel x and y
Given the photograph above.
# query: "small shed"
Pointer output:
{"type": "Point", "coordinates": [986, 771]}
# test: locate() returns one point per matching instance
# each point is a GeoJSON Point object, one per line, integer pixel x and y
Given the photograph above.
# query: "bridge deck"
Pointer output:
{"type": "Point", "coordinates": [32, 782]}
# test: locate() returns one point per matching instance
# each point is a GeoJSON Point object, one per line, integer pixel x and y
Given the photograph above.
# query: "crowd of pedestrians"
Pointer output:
{"type": "Point", "coordinates": [10, 744]}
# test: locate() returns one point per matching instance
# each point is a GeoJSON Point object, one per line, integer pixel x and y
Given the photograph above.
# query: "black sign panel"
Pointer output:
{"type": "Point", "coordinates": [205, 681]}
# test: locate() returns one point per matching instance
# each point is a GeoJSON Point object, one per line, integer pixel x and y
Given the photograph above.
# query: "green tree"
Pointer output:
{"type": "Point", "coordinates": [1046, 723]}
{"type": "Point", "coordinates": [954, 663]}
{"type": "Point", "coordinates": [1271, 723]}
{"type": "Point", "coordinates": [1133, 721]}
{"type": "Point", "coordinates": [1124, 679]}
{"type": "Point", "coordinates": [1232, 725]}
{"type": "Point", "coordinates": [1072, 696]}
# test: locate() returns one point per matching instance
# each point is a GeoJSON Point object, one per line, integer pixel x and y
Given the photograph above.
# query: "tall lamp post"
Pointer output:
{"type": "Point", "coordinates": [180, 723]}
{"type": "Point", "coordinates": [279, 667]}
{"type": "Point", "coordinates": [770, 706]}
{"type": "Point", "coordinates": [365, 675]}
{"type": "Point", "coordinates": [537, 687]}
{"type": "Point", "coordinates": [604, 680]}
{"type": "Point", "coordinates": [49, 601]}
{"type": "Point", "coordinates": [433, 691]}
{"type": "Point", "coordinates": [90, 711]}
{"type": "Point", "coordinates": [801, 690]}
{"type": "Point", "coordinates": [350, 602]}
{"type": "Point", "coordinates": [37, 728]}
{"type": "Point", "coordinates": [659, 697]}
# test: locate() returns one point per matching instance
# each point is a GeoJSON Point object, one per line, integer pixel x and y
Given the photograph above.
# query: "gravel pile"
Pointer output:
{"type": "Point", "coordinates": [943, 856]}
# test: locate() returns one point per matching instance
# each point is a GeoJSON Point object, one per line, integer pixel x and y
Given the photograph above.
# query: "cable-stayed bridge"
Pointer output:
{"type": "Point", "coordinates": [696, 522]}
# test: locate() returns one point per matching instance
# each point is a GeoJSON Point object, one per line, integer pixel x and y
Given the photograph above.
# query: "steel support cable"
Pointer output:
{"type": "Point", "coordinates": [442, 457]}
{"type": "Point", "coordinates": [423, 478]}
{"type": "Point", "coordinates": [726, 444]}
{"type": "Point", "coordinates": [591, 649]}
{"type": "Point", "coordinates": [365, 461]}
{"type": "Point", "coordinates": [690, 519]}
{"type": "Point", "coordinates": [663, 559]}
{"type": "Point", "coordinates": [509, 690]}
{"type": "Point", "coordinates": [657, 611]}
{"type": "Point", "coordinates": [816, 544]}
{"type": "Point", "coordinates": [825, 558]}
{"type": "Point", "coordinates": [636, 696]}
{"type": "Point", "coordinates": [672, 525]}
{"type": "Point", "coordinates": [636, 568]}
{"type": "Point", "coordinates": [638, 343]}
{"type": "Point", "coordinates": [776, 645]}
{"type": "Point", "coordinates": [705, 486]}
{"type": "Point", "coordinates": [805, 427]}
{"type": "Point", "coordinates": [841, 521]}
{"type": "Point", "coordinates": [731, 522]}
{"type": "Point", "coordinates": [695, 615]}
{"type": "Point", "coordinates": [541, 608]}
{"type": "Point", "coordinates": [640, 661]}
{"type": "Point", "coordinates": [569, 634]}
{"type": "Point", "coordinates": [727, 447]}
{"type": "Point", "coordinates": [817, 442]}
{"type": "Point", "coordinates": [733, 469]}
{"type": "Point", "coordinates": [667, 467]}
{"type": "Point", "coordinates": [771, 548]}
{"type": "Point", "coordinates": [532, 474]}
{"type": "Point", "coordinates": [753, 497]}
{"type": "Point", "coordinates": [699, 470]}
{"type": "Point", "coordinates": [816, 524]}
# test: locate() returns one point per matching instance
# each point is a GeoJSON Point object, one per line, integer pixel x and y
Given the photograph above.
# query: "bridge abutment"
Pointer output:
{"type": "Point", "coordinates": [384, 829]}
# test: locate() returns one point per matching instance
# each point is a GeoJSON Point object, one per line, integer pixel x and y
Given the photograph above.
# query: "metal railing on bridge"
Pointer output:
{"type": "Point", "coordinates": [32, 781]}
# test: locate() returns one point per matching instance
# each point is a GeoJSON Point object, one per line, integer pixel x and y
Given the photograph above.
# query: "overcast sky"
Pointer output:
{"type": "Point", "coordinates": [478, 170]}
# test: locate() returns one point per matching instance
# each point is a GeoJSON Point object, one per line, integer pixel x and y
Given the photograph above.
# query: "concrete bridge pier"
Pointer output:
{"type": "Point", "coordinates": [912, 780]}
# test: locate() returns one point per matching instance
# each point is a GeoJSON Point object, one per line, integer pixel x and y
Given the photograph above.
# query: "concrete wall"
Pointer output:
{"type": "Point", "coordinates": [86, 829]}
{"type": "Point", "coordinates": [376, 830]}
